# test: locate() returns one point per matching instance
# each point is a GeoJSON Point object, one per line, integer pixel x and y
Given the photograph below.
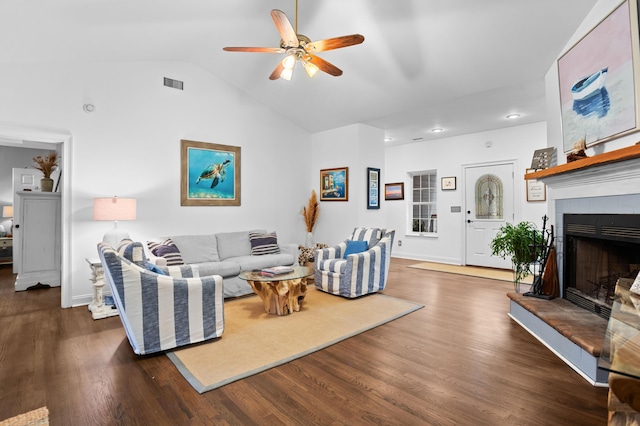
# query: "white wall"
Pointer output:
{"type": "Point", "coordinates": [130, 147]}
{"type": "Point", "coordinates": [554, 120]}
{"type": "Point", "coordinates": [357, 147]}
{"type": "Point", "coordinates": [447, 157]}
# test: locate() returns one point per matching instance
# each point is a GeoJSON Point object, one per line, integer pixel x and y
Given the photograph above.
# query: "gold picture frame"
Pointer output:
{"type": "Point", "coordinates": [209, 174]}
{"type": "Point", "coordinates": [334, 184]}
{"type": "Point", "coordinates": [394, 191]}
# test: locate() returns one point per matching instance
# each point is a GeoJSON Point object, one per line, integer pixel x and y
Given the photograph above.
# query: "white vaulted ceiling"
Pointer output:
{"type": "Point", "coordinates": [461, 65]}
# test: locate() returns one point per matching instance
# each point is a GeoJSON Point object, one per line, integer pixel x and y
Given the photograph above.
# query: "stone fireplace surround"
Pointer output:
{"type": "Point", "coordinates": [608, 183]}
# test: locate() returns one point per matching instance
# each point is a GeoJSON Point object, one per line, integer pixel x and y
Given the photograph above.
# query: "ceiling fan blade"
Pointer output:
{"type": "Point", "coordinates": [334, 43]}
{"type": "Point", "coordinates": [325, 66]}
{"type": "Point", "coordinates": [276, 72]}
{"type": "Point", "coordinates": [288, 34]}
{"type": "Point", "coordinates": [254, 49]}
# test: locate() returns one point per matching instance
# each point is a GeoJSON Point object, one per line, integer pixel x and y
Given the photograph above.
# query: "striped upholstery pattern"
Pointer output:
{"type": "Point", "coordinates": [168, 250]}
{"type": "Point", "coordinates": [359, 273]}
{"type": "Point", "coordinates": [263, 243]}
{"type": "Point", "coordinates": [162, 312]}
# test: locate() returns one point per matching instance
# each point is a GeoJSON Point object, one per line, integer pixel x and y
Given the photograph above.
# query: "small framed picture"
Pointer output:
{"type": "Point", "coordinates": [373, 188]}
{"type": "Point", "coordinates": [448, 183]}
{"type": "Point", "coordinates": [394, 191]}
{"type": "Point", "coordinates": [536, 190]}
{"type": "Point", "coordinates": [334, 184]}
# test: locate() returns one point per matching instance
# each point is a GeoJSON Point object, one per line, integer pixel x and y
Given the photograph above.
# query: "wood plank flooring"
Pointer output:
{"type": "Point", "coordinates": [458, 361]}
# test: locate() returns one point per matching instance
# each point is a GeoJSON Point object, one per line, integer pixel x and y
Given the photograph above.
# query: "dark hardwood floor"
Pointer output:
{"type": "Point", "coordinates": [458, 361]}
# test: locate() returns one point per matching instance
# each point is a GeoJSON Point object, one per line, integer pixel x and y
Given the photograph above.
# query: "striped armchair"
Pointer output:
{"type": "Point", "coordinates": [358, 273]}
{"type": "Point", "coordinates": [161, 312]}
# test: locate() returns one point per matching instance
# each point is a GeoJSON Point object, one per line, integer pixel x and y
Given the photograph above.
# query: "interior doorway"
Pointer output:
{"type": "Point", "coordinates": [19, 136]}
{"type": "Point", "coordinates": [489, 204]}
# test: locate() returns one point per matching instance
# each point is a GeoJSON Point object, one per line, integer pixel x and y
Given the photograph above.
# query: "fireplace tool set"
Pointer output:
{"type": "Point", "coordinates": [545, 276]}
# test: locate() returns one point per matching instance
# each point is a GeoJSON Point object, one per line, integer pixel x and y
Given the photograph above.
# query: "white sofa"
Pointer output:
{"type": "Point", "coordinates": [226, 254]}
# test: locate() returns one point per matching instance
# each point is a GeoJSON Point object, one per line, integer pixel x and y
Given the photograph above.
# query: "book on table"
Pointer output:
{"type": "Point", "coordinates": [276, 270]}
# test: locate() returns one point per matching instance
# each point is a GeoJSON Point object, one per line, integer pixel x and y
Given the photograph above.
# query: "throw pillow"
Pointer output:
{"type": "Point", "coordinates": [354, 247]}
{"type": "Point", "coordinates": [168, 250]}
{"type": "Point", "coordinates": [263, 243]}
{"type": "Point", "coordinates": [132, 251]}
{"type": "Point", "coordinates": [149, 266]}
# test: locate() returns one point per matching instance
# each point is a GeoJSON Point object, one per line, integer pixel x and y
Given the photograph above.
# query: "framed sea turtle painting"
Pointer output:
{"type": "Point", "coordinates": [210, 174]}
{"type": "Point", "coordinates": [599, 93]}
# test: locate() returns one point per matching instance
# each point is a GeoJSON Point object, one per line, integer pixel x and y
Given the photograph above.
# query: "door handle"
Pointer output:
{"type": "Point", "coordinates": [469, 221]}
{"type": "Point", "coordinates": [16, 226]}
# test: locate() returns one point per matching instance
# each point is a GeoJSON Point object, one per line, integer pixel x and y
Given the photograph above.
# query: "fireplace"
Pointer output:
{"type": "Point", "coordinates": [598, 250]}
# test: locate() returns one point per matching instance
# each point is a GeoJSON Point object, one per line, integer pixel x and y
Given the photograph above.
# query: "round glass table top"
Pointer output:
{"type": "Point", "coordinates": [258, 274]}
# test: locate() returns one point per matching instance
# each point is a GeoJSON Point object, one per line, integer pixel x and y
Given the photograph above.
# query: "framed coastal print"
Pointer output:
{"type": "Point", "coordinates": [536, 190]}
{"type": "Point", "coordinates": [373, 188]}
{"type": "Point", "coordinates": [394, 191]}
{"type": "Point", "coordinates": [599, 95]}
{"type": "Point", "coordinates": [334, 184]}
{"type": "Point", "coordinates": [210, 174]}
{"type": "Point", "coordinates": [448, 183]}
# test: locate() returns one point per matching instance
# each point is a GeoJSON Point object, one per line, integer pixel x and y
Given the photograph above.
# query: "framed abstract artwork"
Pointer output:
{"type": "Point", "coordinates": [210, 174]}
{"type": "Point", "coordinates": [373, 188]}
{"type": "Point", "coordinates": [334, 184]}
{"type": "Point", "coordinates": [394, 191]}
{"type": "Point", "coordinates": [599, 95]}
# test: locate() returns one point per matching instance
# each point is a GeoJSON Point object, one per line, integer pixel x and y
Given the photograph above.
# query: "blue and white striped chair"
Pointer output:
{"type": "Point", "coordinates": [161, 312]}
{"type": "Point", "coordinates": [355, 274]}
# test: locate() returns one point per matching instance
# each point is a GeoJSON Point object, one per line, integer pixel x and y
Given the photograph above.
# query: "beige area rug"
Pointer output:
{"type": "Point", "coordinates": [254, 341]}
{"type": "Point", "coordinates": [39, 417]}
{"type": "Point", "coordinates": [474, 271]}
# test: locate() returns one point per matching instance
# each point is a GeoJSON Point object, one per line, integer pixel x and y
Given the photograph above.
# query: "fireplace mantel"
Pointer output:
{"type": "Point", "coordinates": [611, 173]}
{"type": "Point", "coordinates": [628, 153]}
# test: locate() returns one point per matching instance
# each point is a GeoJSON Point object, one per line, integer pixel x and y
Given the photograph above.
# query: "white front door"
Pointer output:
{"type": "Point", "coordinates": [23, 179]}
{"type": "Point", "coordinates": [489, 204]}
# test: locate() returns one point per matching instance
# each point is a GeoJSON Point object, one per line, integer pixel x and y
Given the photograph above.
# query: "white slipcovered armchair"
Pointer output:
{"type": "Point", "coordinates": [159, 311]}
{"type": "Point", "coordinates": [358, 273]}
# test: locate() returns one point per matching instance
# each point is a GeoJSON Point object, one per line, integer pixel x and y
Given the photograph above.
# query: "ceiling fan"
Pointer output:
{"type": "Point", "coordinates": [298, 47]}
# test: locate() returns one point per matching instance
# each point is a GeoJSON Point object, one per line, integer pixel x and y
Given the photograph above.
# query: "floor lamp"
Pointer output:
{"type": "Point", "coordinates": [115, 209]}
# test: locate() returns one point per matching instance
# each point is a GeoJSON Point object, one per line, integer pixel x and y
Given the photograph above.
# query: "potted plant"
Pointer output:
{"type": "Point", "coordinates": [523, 243]}
{"type": "Point", "coordinates": [46, 165]}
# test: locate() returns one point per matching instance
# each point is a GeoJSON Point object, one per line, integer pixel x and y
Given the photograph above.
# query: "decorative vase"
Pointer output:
{"type": "Point", "coordinates": [46, 185]}
{"type": "Point", "coordinates": [308, 242]}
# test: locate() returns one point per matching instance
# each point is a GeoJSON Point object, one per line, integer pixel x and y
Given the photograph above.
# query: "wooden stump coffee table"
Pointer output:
{"type": "Point", "coordinates": [281, 294]}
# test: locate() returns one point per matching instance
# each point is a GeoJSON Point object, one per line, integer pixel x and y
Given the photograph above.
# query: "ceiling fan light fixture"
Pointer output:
{"type": "Point", "coordinates": [310, 68]}
{"type": "Point", "coordinates": [289, 62]}
{"type": "Point", "coordinates": [287, 73]}
{"type": "Point", "coordinates": [300, 47]}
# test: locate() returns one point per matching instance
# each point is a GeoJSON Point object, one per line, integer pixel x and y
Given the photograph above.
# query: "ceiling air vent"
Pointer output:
{"type": "Point", "coordinates": [418, 139]}
{"type": "Point", "coordinates": [175, 84]}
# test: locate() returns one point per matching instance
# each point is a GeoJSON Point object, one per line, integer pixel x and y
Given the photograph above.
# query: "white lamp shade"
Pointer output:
{"type": "Point", "coordinates": [114, 208]}
{"type": "Point", "coordinates": [7, 211]}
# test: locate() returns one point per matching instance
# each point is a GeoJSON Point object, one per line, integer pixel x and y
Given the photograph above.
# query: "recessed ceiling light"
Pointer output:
{"type": "Point", "coordinates": [388, 139]}
{"type": "Point", "coordinates": [513, 116]}
{"type": "Point", "coordinates": [437, 130]}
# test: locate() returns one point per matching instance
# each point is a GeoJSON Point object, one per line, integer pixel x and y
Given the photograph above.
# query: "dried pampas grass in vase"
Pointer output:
{"type": "Point", "coordinates": [310, 213]}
